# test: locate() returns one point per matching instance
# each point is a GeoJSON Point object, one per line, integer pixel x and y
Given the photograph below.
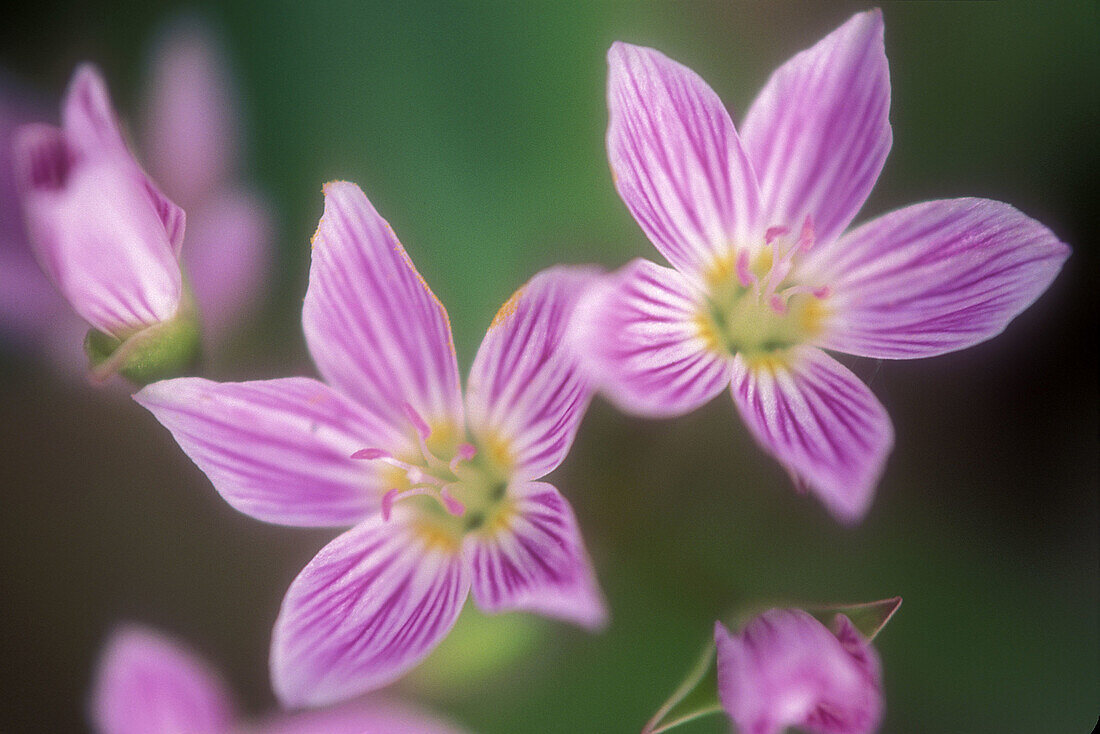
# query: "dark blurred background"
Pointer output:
{"type": "Point", "coordinates": [477, 130]}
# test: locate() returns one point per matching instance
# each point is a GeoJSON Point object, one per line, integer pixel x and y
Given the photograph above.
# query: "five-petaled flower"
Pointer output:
{"type": "Point", "coordinates": [764, 275]}
{"type": "Point", "coordinates": [441, 489]}
{"type": "Point", "coordinates": [785, 668]}
{"type": "Point", "coordinates": [147, 683]}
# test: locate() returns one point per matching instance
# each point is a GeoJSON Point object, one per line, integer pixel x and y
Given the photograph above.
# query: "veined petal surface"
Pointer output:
{"type": "Point", "coordinates": [532, 558]}
{"type": "Point", "coordinates": [935, 277]}
{"type": "Point", "coordinates": [820, 421]}
{"type": "Point", "coordinates": [787, 669]}
{"type": "Point", "coordinates": [371, 605]}
{"type": "Point", "coordinates": [374, 328]}
{"type": "Point", "coordinates": [677, 160]}
{"type": "Point", "coordinates": [525, 386]}
{"type": "Point", "coordinates": [638, 333]}
{"type": "Point", "coordinates": [278, 450]}
{"type": "Point", "coordinates": [819, 132]}
{"type": "Point", "coordinates": [147, 683]}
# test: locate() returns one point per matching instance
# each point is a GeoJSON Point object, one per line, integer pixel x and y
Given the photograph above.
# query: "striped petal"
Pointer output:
{"type": "Point", "coordinates": [278, 450]}
{"type": "Point", "coordinates": [935, 277]}
{"type": "Point", "coordinates": [677, 160]}
{"type": "Point", "coordinates": [525, 387]}
{"type": "Point", "coordinates": [787, 669]}
{"type": "Point", "coordinates": [531, 557]}
{"type": "Point", "coordinates": [374, 328]}
{"type": "Point", "coordinates": [146, 683]}
{"type": "Point", "coordinates": [640, 339]}
{"type": "Point", "coordinates": [819, 132]}
{"type": "Point", "coordinates": [821, 423]}
{"type": "Point", "coordinates": [372, 604]}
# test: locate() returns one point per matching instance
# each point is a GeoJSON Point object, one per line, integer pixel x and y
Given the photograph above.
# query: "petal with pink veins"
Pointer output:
{"type": "Point", "coordinates": [525, 386]}
{"type": "Point", "coordinates": [677, 160]}
{"type": "Point", "coordinates": [641, 342]}
{"type": "Point", "coordinates": [530, 556]}
{"type": "Point", "coordinates": [820, 421]}
{"type": "Point", "coordinates": [374, 328]}
{"type": "Point", "coordinates": [278, 450]}
{"type": "Point", "coordinates": [934, 277]}
{"type": "Point", "coordinates": [371, 605]}
{"type": "Point", "coordinates": [819, 132]}
{"type": "Point", "coordinates": [786, 669]}
{"type": "Point", "coordinates": [146, 683]}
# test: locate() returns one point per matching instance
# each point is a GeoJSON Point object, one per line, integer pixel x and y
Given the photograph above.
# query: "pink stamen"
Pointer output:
{"type": "Point", "coordinates": [806, 240]}
{"type": "Point", "coordinates": [371, 454]}
{"type": "Point", "coordinates": [744, 275]}
{"type": "Point", "coordinates": [464, 452]}
{"type": "Point", "coordinates": [823, 292]}
{"type": "Point", "coordinates": [450, 504]}
{"type": "Point", "coordinates": [421, 426]}
{"type": "Point", "coordinates": [774, 233]}
{"type": "Point", "coordinates": [387, 503]}
{"type": "Point", "coordinates": [778, 305]}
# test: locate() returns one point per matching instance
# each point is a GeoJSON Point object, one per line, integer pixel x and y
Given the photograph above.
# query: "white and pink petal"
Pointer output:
{"type": "Point", "coordinates": [530, 556]}
{"type": "Point", "coordinates": [374, 328]}
{"type": "Point", "coordinates": [641, 341]}
{"type": "Point", "coordinates": [819, 132]}
{"type": "Point", "coordinates": [525, 386]}
{"type": "Point", "coordinates": [147, 683]}
{"type": "Point", "coordinates": [934, 277]}
{"type": "Point", "coordinates": [370, 606]}
{"type": "Point", "coordinates": [677, 160]}
{"type": "Point", "coordinates": [278, 450]}
{"type": "Point", "coordinates": [819, 421]}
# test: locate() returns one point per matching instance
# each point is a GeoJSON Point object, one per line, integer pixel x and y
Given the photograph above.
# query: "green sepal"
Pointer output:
{"type": "Point", "coordinates": [869, 618]}
{"type": "Point", "coordinates": [696, 696]}
{"type": "Point", "coordinates": [168, 349]}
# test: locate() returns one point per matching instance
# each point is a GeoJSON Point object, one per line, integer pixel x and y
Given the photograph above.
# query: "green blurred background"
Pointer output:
{"type": "Point", "coordinates": [477, 130]}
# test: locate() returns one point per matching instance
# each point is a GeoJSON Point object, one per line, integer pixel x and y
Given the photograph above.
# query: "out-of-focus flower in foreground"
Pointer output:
{"type": "Point", "coordinates": [147, 683]}
{"type": "Point", "coordinates": [84, 215]}
{"type": "Point", "coordinates": [764, 274]}
{"type": "Point", "coordinates": [441, 489]}
{"type": "Point", "coordinates": [785, 668]}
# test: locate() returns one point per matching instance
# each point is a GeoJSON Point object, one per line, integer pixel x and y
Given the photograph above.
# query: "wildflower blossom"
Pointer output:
{"type": "Point", "coordinates": [765, 276]}
{"type": "Point", "coordinates": [147, 683]}
{"type": "Point", "coordinates": [785, 668]}
{"type": "Point", "coordinates": [442, 490]}
{"type": "Point", "coordinates": [190, 133]}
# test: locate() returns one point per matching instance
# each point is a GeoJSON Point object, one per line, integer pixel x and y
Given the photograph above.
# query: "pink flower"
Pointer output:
{"type": "Point", "coordinates": [190, 133]}
{"type": "Point", "coordinates": [441, 488]}
{"type": "Point", "coordinates": [147, 683]}
{"type": "Point", "coordinates": [765, 276]}
{"type": "Point", "coordinates": [101, 229]}
{"type": "Point", "coordinates": [785, 669]}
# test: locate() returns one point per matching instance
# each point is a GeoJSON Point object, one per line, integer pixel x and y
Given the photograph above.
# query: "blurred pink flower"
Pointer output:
{"type": "Point", "coordinates": [440, 487]}
{"type": "Point", "coordinates": [764, 275]}
{"type": "Point", "coordinates": [786, 669]}
{"type": "Point", "coordinates": [147, 683]}
{"type": "Point", "coordinates": [191, 137]}
{"type": "Point", "coordinates": [101, 229]}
